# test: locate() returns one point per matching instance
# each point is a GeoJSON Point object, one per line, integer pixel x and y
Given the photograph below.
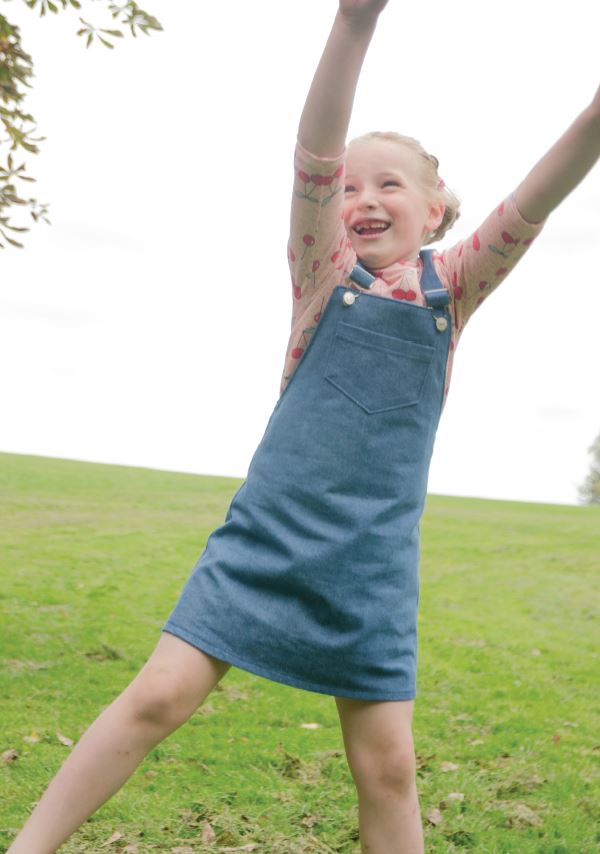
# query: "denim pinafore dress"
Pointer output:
{"type": "Point", "coordinates": [313, 578]}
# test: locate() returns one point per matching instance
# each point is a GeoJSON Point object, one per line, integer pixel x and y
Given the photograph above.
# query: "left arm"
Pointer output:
{"type": "Point", "coordinates": [562, 168]}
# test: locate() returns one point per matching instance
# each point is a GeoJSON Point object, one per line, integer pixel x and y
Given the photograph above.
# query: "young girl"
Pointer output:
{"type": "Point", "coordinates": [313, 578]}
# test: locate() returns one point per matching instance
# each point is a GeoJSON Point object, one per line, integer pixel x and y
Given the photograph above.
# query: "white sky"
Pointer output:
{"type": "Point", "coordinates": [147, 326]}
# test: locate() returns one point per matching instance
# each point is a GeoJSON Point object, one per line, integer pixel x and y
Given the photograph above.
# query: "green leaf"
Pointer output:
{"type": "Point", "coordinates": [14, 200]}
{"type": "Point", "coordinates": [11, 241]}
{"type": "Point", "coordinates": [108, 44]}
{"type": "Point", "coordinates": [304, 196]}
{"type": "Point", "coordinates": [29, 147]}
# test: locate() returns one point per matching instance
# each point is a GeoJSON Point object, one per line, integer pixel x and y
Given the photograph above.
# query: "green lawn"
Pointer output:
{"type": "Point", "coordinates": [92, 558]}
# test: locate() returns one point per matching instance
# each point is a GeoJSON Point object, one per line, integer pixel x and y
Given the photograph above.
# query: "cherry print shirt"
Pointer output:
{"type": "Point", "coordinates": [321, 257]}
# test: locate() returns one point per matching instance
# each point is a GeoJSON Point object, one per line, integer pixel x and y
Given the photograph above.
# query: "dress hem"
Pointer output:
{"type": "Point", "coordinates": [275, 675]}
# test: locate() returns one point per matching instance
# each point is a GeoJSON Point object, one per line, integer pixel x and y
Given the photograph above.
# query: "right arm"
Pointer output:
{"type": "Point", "coordinates": [319, 252]}
{"type": "Point", "coordinates": [326, 116]}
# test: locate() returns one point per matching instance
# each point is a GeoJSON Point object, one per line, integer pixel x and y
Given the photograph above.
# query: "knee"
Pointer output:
{"type": "Point", "coordinates": [160, 700]}
{"type": "Point", "coordinates": [392, 769]}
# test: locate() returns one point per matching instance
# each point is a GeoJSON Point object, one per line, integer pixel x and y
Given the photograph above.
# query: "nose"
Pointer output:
{"type": "Point", "coordinates": [366, 200]}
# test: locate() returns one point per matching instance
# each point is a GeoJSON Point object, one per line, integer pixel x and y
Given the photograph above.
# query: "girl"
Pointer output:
{"type": "Point", "coordinates": [313, 578]}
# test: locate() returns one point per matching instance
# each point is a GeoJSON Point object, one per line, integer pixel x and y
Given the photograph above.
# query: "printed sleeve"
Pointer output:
{"type": "Point", "coordinates": [319, 251]}
{"type": "Point", "coordinates": [476, 266]}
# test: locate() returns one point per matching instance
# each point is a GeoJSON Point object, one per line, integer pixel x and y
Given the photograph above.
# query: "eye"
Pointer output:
{"type": "Point", "coordinates": [349, 188]}
{"type": "Point", "coordinates": [391, 183]}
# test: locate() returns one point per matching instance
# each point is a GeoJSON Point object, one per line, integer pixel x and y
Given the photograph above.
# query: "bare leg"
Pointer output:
{"type": "Point", "coordinates": [381, 757]}
{"type": "Point", "coordinates": [175, 680]}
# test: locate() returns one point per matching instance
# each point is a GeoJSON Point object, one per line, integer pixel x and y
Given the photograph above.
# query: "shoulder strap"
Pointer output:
{"type": "Point", "coordinates": [362, 277]}
{"type": "Point", "coordinates": [434, 292]}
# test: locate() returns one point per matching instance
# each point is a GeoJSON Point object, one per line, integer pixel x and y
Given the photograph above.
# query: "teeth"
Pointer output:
{"type": "Point", "coordinates": [381, 225]}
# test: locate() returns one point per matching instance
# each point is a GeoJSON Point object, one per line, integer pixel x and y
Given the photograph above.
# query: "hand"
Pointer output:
{"type": "Point", "coordinates": [362, 9]}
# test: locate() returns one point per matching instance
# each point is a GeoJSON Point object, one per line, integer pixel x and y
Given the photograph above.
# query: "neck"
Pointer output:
{"type": "Point", "coordinates": [408, 262]}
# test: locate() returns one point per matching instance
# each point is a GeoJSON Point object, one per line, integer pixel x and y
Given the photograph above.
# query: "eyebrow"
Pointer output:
{"type": "Point", "coordinates": [379, 175]}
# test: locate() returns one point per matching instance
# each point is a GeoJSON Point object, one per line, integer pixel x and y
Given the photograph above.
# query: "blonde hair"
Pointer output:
{"type": "Point", "coordinates": [434, 187]}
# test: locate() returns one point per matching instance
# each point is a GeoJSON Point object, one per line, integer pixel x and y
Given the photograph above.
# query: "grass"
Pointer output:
{"type": "Point", "coordinates": [92, 560]}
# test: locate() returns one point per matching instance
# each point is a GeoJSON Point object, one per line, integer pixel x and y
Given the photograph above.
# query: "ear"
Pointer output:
{"type": "Point", "coordinates": [436, 215]}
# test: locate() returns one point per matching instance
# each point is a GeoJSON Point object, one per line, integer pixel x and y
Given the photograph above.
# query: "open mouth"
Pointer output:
{"type": "Point", "coordinates": [371, 227]}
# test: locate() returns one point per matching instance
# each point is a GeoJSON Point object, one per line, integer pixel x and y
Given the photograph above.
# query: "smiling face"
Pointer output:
{"type": "Point", "coordinates": [387, 211]}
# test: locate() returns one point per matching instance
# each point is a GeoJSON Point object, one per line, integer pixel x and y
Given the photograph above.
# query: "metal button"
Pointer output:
{"type": "Point", "coordinates": [441, 324]}
{"type": "Point", "coordinates": [348, 298]}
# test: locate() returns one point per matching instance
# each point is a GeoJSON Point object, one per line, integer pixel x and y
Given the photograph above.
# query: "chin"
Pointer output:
{"type": "Point", "coordinates": [373, 261]}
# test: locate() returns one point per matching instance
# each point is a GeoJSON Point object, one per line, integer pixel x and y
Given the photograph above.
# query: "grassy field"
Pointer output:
{"type": "Point", "coordinates": [507, 715]}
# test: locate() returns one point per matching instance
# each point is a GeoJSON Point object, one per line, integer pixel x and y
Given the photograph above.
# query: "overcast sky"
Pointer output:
{"type": "Point", "coordinates": [148, 325]}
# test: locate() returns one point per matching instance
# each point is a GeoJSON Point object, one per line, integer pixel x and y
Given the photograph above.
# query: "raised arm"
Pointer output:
{"type": "Point", "coordinates": [562, 168]}
{"type": "Point", "coordinates": [326, 115]}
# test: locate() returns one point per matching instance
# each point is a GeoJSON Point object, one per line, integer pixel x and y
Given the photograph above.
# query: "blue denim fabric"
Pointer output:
{"type": "Point", "coordinates": [313, 578]}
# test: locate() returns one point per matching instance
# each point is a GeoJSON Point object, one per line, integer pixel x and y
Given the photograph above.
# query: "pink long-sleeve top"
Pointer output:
{"type": "Point", "coordinates": [321, 256]}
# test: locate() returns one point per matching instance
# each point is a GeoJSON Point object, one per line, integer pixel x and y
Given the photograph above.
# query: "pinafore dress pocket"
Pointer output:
{"type": "Point", "coordinates": [377, 372]}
